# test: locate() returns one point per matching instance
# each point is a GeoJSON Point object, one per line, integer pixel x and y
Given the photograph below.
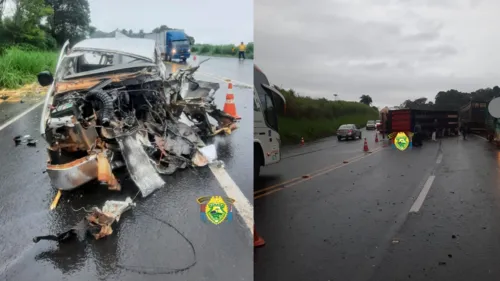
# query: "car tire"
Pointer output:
{"type": "Point", "coordinates": [339, 138]}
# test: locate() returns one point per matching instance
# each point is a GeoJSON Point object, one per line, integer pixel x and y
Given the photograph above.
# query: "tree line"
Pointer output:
{"type": "Point", "coordinates": [452, 99]}
{"type": "Point", "coordinates": [445, 100]}
{"type": "Point", "coordinates": [47, 24]}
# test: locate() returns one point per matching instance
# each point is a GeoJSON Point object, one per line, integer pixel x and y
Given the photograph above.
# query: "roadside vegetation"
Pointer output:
{"type": "Point", "coordinates": [313, 119]}
{"type": "Point", "coordinates": [32, 33]}
{"type": "Point", "coordinates": [222, 50]}
{"type": "Point", "coordinates": [20, 66]}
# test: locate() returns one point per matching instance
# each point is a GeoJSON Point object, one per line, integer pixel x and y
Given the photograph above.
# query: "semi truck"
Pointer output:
{"type": "Point", "coordinates": [268, 103]}
{"type": "Point", "coordinates": [404, 120]}
{"type": "Point", "coordinates": [174, 44]}
{"type": "Point", "coordinates": [475, 115]}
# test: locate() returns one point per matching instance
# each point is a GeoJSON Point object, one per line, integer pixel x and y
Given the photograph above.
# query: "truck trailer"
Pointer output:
{"type": "Point", "coordinates": [475, 116]}
{"type": "Point", "coordinates": [404, 120]}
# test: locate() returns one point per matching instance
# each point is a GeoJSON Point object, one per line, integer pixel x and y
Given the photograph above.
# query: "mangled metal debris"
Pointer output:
{"type": "Point", "coordinates": [97, 224]}
{"type": "Point", "coordinates": [27, 139]}
{"type": "Point", "coordinates": [111, 104]}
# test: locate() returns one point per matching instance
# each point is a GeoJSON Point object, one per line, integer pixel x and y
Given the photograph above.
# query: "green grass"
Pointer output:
{"type": "Point", "coordinates": [221, 50]}
{"type": "Point", "coordinates": [20, 67]}
{"type": "Point", "coordinates": [313, 119]}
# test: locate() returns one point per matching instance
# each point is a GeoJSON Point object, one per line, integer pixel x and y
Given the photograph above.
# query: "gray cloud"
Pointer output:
{"type": "Point", "coordinates": [389, 49]}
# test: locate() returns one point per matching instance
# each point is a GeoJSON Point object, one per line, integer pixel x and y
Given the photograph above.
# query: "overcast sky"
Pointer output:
{"type": "Point", "coordinates": [391, 50]}
{"type": "Point", "coordinates": [214, 22]}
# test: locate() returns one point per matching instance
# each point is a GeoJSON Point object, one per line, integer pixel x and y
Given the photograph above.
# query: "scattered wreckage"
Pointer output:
{"type": "Point", "coordinates": [111, 104]}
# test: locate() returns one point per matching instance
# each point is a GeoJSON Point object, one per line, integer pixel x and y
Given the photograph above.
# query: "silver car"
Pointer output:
{"type": "Point", "coordinates": [348, 131]}
{"type": "Point", "coordinates": [370, 125]}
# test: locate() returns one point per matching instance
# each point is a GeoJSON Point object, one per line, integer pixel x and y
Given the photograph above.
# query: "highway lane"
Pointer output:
{"type": "Point", "coordinates": [354, 221]}
{"type": "Point", "coordinates": [143, 245]}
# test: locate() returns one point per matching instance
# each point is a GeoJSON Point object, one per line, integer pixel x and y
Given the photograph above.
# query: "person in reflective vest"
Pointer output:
{"type": "Point", "coordinates": [241, 48]}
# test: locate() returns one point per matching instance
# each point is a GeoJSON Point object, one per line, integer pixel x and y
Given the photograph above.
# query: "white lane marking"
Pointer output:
{"type": "Point", "coordinates": [224, 79]}
{"type": "Point", "coordinates": [440, 158]}
{"type": "Point", "coordinates": [241, 203]}
{"type": "Point", "coordinates": [481, 137]}
{"type": "Point", "coordinates": [421, 197]}
{"type": "Point", "coordinates": [20, 115]}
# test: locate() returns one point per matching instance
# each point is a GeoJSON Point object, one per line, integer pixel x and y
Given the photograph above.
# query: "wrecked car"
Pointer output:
{"type": "Point", "coordinates": [111, 103]}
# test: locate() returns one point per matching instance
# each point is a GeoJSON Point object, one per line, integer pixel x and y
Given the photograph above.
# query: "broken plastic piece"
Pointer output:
{"type": "Point", "coordinates": [111, 212]}
{"type": "Point", "coordinates": [210, 152]}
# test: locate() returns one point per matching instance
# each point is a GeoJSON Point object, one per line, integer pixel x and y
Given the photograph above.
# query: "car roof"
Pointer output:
{"type": "Point", "coordinates": [136, 46]}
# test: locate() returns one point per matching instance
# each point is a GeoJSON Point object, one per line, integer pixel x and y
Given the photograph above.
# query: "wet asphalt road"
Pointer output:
{"type": "Point", "coordinates": [145, 244]}
{"type": "Point", "coordinates": [353, 222]}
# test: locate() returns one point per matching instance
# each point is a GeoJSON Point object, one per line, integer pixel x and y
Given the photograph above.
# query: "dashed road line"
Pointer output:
{"type": "Point", "coordinates": [421, 197]}
{"type": "Point", "coordinates": [439, 159]}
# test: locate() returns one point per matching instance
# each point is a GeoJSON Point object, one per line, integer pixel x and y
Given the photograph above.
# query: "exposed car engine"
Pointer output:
{"type": "Point", "coordinates": [132, 121]}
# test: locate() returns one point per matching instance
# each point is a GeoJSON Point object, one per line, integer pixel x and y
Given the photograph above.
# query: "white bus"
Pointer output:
{"type": "Point", "coordinates": [268, 102]}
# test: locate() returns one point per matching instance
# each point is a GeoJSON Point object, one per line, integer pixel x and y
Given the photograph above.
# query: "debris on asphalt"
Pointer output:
{"type": "Point", "coordinates": [27, 139]}
{"type": "Point", "coordinates": [442, 263]}
{"type": "Point", "coordinates": [97, 223]}
{"type": "Point", "coordinates": [79, 231]}
{"type": "Point", "coordinates": [306, 176]}
{"type": "Point", "coordinates": [132, 115]}
{"type": "Point", "coordinates": [100, 221]}
{"type": "Point", "coordinates": [56, 200]}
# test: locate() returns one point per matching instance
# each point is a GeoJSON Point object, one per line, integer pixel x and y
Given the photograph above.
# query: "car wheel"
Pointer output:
{"type": "Point", "coordinates": [360, 136]}
{"type": "Point", "coordinates": [339, 138]}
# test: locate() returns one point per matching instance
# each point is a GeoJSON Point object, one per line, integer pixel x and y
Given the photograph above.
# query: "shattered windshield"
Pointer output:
{"type": "Point", "coordinates": [86, 62]}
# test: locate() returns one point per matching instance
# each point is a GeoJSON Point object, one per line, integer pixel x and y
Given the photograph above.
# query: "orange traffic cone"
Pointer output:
{"type": "Point", "coordinates": [365, 146]}
{"type": "Point", "coordinates": [229, 106]}
{"type": "Point", "coordinates": [302, 141]}
{"type": "Point", "coordinates": [257, 240]}
{"type": "Point", "coordinates": [376, 137]}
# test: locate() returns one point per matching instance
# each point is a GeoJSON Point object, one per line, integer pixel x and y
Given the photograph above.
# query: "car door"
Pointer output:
{"type": "Point", "coordinates": [356, 131]}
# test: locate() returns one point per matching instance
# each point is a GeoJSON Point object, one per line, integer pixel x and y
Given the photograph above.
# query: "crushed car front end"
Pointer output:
{"type": "Point", "coordinates": [109, 108]}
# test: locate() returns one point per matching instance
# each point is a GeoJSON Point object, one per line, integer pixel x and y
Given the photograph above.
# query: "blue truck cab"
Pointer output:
{"type": "Point", "coordinates": [177, 46]}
